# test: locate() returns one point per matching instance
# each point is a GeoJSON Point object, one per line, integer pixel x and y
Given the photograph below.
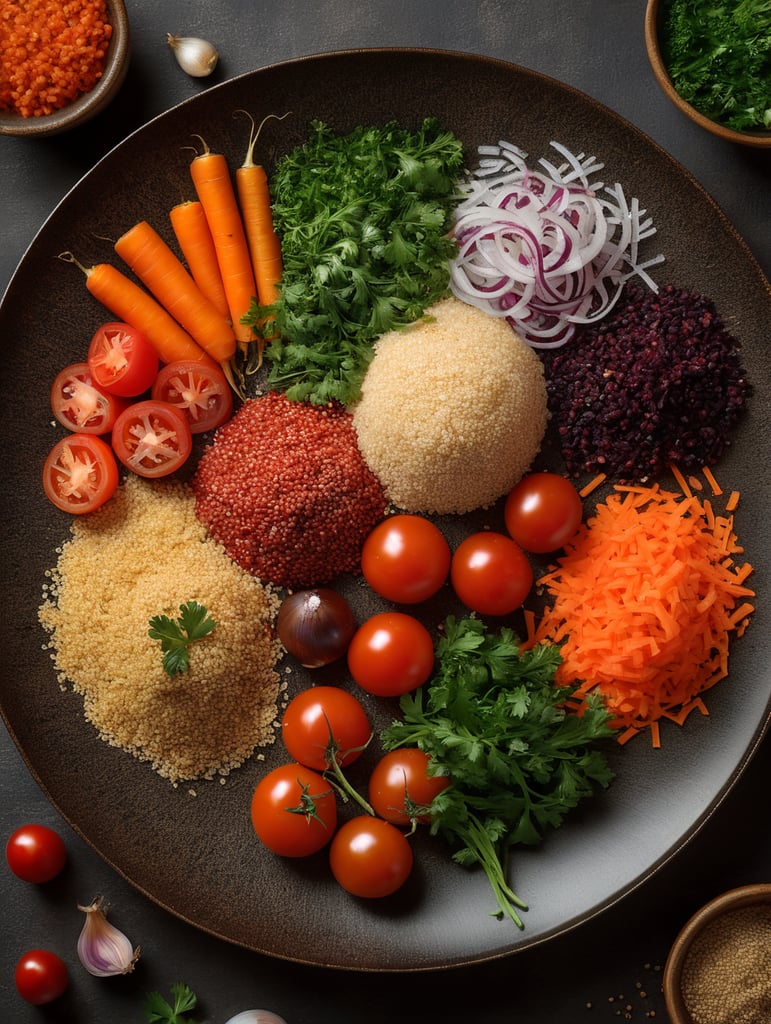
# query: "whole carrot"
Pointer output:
{"type": "Point", "coordinates": [211, 177]}
{"type": "Point", "coordinates": [254, 199]}
{"type": "Point", "coordinates": [133, 305]}
{"type": "Point", "coordinates": [163, 274]}
{"type": "Point", "coordinates": [194, 237]}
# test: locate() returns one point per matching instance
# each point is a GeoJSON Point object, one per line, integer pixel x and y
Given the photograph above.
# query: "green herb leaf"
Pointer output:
{"type": "Point", "coordinates": [362, 220]}
{"type": "Point", "coordinates": [159, 1011]}
{"type": "Point", "coordinates": [176, 635]}
{"type": "Point", "coordinates": [718, 56]}
{"type": "Point", "coordinates": [495, 721]}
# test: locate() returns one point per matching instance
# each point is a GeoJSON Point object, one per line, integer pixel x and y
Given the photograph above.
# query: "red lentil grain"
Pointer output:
{"type": "Point", "coordinates": [285, 490]}
{"type": "Point", "coordinates": [50, 53]}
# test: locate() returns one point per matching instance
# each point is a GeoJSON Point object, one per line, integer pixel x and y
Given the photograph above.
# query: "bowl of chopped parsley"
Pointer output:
{"type": "Point", "coordinates": [713, 61]}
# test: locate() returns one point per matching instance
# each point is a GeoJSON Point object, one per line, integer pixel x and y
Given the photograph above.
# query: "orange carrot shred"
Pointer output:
{"type": "Point", "coordinates": [733, 501]}
{"type": "Point", "coordinates": [655, 735]}
{"type": "Point", "coordinates": [530, 626]}
{"type": "Point", "coordinates": [592, 485]}
{"type": "Point", "coordinates": [682, 483]}
{"type": "Point", "coordinates": [644, 603]}
{"type": "Point", "coordinates": [710, 478]}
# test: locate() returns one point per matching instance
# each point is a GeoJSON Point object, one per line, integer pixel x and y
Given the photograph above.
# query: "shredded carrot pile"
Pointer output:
{"type": "Point", "coordinates": [645, 601]}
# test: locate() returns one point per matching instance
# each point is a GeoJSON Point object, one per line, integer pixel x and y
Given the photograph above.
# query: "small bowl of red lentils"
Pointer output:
{"type": "Point", "coordinates": [60, 63]}
{"type": "Point", "coordinates": [719, 968]}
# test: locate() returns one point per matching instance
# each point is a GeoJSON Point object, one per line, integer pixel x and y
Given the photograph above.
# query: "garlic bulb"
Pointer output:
{"type": "Point", "coordinates": [196, 57]}
{"type": "Point", "coordinates": [103, 950]}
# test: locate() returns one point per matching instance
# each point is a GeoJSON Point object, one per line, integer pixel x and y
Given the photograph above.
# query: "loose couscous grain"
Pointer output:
{"type": "Point", "coordinates": [50, 52]}
{"type": "Point", "coordinates": [142, 554]}
{"type": "Point", "coordinates": [453, 410]}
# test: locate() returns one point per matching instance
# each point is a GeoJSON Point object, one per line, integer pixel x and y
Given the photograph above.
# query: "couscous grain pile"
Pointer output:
{"type": "Point", "coordinates": [453, 410]}
{"type": "Point", "coordinates": [144, 554]}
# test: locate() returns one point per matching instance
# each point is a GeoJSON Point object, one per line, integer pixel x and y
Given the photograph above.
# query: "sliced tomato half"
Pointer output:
{"type": "Point", "coordinates": [80, 473]}
{"type": "Point", "coordinates": [152, 438]}
{"type": "Point", "coordinates": [200, 392]}
{"type": "Point", "coordinates": [122, 359]}
{"type": "Point", "coordinates": [81, 405]}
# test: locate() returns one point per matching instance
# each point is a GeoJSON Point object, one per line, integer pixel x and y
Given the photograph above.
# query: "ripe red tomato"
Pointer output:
{"type": "Point", "coordinates": [152, 438]}
{"type": "Point", "coordinates": [325, 722]}
{"type": "Point", "coordinates": [400, 787]}
{"type": "Point", "coordinates": [390, 654]}
{"type": "Point", "coordinates": [80, 473]}
{"type": "Point", "coordinates": [80, 405]}
{"type": "Point", "coordinates": [122, 360]}
{"type": "Point", "coordinates": [370, 857]}
{"type": "Point", "coordinates": [294, 811]}
{"type": "Point", "coordinates": [41, 977]}
{"type": "Point", "coordinates": [490, 573]}
{"type": "Point", "coordinates": [406, 559]}
{"type": "Point", "coordinates": [199, 391]}
{"type": "Point", "coordinates": [35, 853]}
{"type": "Point", "coordinates": [542, 512]}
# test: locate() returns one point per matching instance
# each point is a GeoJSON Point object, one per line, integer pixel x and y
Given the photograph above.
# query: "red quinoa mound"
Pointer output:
{"type": "Point", "coordinates": [658, 382]}
{"type": "Point", "coordinates": [285, 490]}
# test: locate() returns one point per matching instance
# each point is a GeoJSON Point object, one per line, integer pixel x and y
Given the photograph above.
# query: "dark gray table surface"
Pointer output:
{"type": "Point", "coordinates": [608, 969]}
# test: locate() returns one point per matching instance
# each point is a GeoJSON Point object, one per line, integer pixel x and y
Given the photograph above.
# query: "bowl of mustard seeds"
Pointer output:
{"type": "Point", "coordinates": [59, 69]}
{"type": "Point", "coordinates": [719, 968]}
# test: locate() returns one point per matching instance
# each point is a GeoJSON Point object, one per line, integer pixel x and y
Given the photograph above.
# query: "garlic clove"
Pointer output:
{"type": "Point", "coordinates": [196, 57]}
{"type": "Point", "coordinates": [103, 950]}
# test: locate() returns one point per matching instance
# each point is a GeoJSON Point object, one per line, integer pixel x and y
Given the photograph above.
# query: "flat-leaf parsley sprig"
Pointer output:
{"type": "Point", "coordinates": [494, 720]}
{"type": "Point", "coordinates": [176, 635]}
{"type": "Point", "coordinates": [159, 1011]}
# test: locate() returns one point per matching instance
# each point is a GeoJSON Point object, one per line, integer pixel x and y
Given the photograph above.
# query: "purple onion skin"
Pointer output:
{"type": "Point", "coordinates": [315, 626]}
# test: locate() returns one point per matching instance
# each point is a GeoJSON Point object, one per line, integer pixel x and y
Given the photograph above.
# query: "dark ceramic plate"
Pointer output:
{"type": "Point", "coordinates": [197, 857]}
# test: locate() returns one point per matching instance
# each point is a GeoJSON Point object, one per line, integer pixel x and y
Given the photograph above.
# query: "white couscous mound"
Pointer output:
{"type": "Point", "coordinates": [452, 412]}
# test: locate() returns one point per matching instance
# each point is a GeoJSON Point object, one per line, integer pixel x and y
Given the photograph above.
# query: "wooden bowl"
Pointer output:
{"type": "Point", "coordinates": [747, 896]}
{"type": "Point", "coordinates": [761, 138]}
{"type": "Point", "coordinates": [90, 103]}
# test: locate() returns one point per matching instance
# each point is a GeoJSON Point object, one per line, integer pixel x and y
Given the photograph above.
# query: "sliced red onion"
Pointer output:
{"type": "Point", "coordinates": [549, 248]}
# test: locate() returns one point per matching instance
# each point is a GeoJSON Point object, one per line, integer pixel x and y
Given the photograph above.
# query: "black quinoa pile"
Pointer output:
{"type": "Point", "coordinates": [659, 381]}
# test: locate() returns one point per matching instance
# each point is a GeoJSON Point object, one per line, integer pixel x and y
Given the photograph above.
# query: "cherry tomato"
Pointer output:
{"type": "Point", "coordinates": [294, 811]}
{"type": "Point", "coordinates": [122, 360]}
{"type": "Point", "coordinates": [370, 857]}
{"type": "Point", "coordinates": [313, 715]}
{"type": "Point", "coordinates": [406, 559]}
{"type": "Point", "coordinates": [390, 654]}
{"type": "Point", "coordinates": [152, 438]}
{"type": "Point", "coordinates": [80, 473]}
{"type": "Point", "coordinates": [400, 787]}
{"type": "Point", "coordinates": [490, 573]}
{"type": "Point", "coordinates": [35, 853]}
{"type": "Point", "coordinates": [41, 977]}
{"type": "Point", "coordinates": [199, 391]}
{"type": "Point", "coordinates": [80, 405]}
{"type": "Point", "coordinates": [542, 512]}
